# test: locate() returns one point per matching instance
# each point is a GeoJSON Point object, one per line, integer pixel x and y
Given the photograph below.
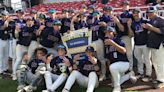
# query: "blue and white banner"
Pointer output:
{"type": "Point", "coordinates": [77, 41]}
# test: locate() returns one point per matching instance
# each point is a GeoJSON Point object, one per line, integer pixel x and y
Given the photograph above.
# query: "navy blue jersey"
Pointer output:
{"type": "Point", "coordinates": [94, 26]}
{"type": "Point", "coordinates": [20, 21]}
{"type": "Point", "coordinates": [105, 18]}
{"type": "Point", "coordinates": [140, 34]}
{"type": "Point", "coordinates": [86, 66]}
{"type": "Point", "coordinates": [33, 64]}
{"type": "Point", "coordinates": [4, 34]}
{"type": "Point", "coordinates": [110, 22]}
{"type": "Point", "coordinates": [11, 29]}
{"type": "Point", "coordinates": [124, 17]}
{"type": "Point", "coordinates": [79, 25]}
{"type": "Point", "coordinates": [25, 36]}
{"type": "Point", "coordinates": [66, 23]}
{"type": "Point", "coordinates": [49, 37]}
{"type": "Point", "coordinates": [113, 55]}
{"type": "Point", "coordinates": [49, 22]}
{"type": "Point", "coordinates": [155, 39]}
{"type": "Point", "coordinates": [34, 36]}
{"type": "Point", "coordinates": [54, 64]}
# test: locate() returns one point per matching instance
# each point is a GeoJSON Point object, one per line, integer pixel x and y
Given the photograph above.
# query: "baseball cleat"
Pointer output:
{"type": "Point", "coordinates": [116, 89]}
{"type": "Point", "coordinates": [133, 78]}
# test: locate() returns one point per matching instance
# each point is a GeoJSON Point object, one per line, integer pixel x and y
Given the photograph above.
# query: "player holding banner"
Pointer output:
{"type": "Point", "coordinates": [58, 69]}
{"type": "Point", "coordinates": [85, 72]}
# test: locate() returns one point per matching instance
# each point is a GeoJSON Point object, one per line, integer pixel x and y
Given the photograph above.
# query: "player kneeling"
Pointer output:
{"type": "Point", "coordinates": [31, 72]}
{"type": "Point", "coordinates": [119, 62]}
{"type": "Point", "coordinates": [86, 72]}
{"type": "Point", "coordinates": [58, 69]}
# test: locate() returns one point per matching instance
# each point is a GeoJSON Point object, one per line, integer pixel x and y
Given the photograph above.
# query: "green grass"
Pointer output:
{"type": "Point", "coordinates": [10, 86]}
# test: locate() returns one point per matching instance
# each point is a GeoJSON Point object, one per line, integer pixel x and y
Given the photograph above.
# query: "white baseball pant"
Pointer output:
{"type": "Point", "coordinates": [118, 70]}
{"type": "Point", "coordinates": [99, 47]}
{"type": "Point", "coordinates": [20, 50]}
{"type": "Point", "coordinates": [4, 55]}
{"type": "Point", "coordinates": [129, 45]}
{"type": "Point", "coordinates": [158, 62]}
{"type": "Point", "coordinates": [33, 45]}
{"type": "Point", "coordinates": [143, 54]}
{"type": "Point", "coordinates": [53, 81]}
{"type": "Point", "coordinates": [12, 51]}
{"type": "Point", "coordinates": [89, 82]}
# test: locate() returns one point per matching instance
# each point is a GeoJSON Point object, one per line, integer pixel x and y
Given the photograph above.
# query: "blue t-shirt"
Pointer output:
{"type": "Point", "coordinates": [86, 66]}
{"type": "Point", "coordinates": [49, 37]}
{"type": "Point", "coordinates": [25, 36]}
{"type": "Point", "coordinates": [124, 17]}
{"type": "Point", "coordinates": [156, 39]}
{"type": "Point", "coordinates": [33, 64]}
{"type": "Point", "coordinates": [140, 34]}
{"type": "Point", "coordinates": [94, 26]}
{"type": "Point", "coordinates": [112, 54]}
{"type": "Point", "coordinates": [66, 23]}
{"type": "Point", "coordinates": [4, 33]}
{"type": "Point", "coordinates": [54, 64]}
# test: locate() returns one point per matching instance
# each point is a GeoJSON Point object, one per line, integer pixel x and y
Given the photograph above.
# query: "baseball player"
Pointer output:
{"type": "Point", "coordinates": [141, 52]}
{"type": "Point", "coordinates": [58, 69]}
{"type": "Point", "coordinates": [78, 21]}
{"type": "Point", "coordinates": [118, 60]}
{"type": "Point", "coordinates": [24, 35]}
{"type": "Point", "coordinates": [155, 39]}
{"type": "Point", "coordinates": [50, 37]}
{"type": "Point", "coordinates": [12, 41]}
{"type": "Point", "coordinates": [83, 8]}
{"type": "Point", "coordinates": [110, 19]}
{"type": "Point", "coordinates": [4, 40]}
{"type": "Point", "coordinates": [92, 24]}
{"type": "Point", "coordinates": [66, 21]}
{"type": "Point", "coordinates": [31, 71]}
{"type": "Point", "coordinates": [86, 72]}
{"type": "Point", "coordinates": [124, 32]}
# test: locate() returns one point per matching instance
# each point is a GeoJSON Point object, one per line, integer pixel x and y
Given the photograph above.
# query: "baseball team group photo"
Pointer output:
{"type": "Point", "coordinates": [81, 46]}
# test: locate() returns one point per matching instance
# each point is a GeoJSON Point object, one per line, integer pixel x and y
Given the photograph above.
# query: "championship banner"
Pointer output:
{"type": "Point", "coordinates": [77, 41]}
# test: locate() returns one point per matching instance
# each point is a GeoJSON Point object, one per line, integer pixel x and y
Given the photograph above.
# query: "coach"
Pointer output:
{"type": "Point", "coordinates": [155, 39]}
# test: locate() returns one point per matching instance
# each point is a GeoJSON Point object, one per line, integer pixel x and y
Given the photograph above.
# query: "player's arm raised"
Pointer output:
{"type": "Point", "coordinates": [130, 31]}
{"type": "Point", "coordinates": [119, 48]}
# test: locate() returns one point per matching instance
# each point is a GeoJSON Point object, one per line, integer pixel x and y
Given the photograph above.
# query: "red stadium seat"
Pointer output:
{"type": "Point", "coordinates": [75, 5]}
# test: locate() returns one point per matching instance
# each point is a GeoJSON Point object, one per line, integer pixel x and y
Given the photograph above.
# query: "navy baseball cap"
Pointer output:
{"type": "Point", "coordinates": [151, 9]}
{"type": "Point", "coordinates": [111, 29]}
{"type": "Point", "coordinates": [108, 8]}
{"type": "Point", "coordinates": [91, 7]}
{"type": "Point", "coordinates": [136, 10]}
{"type": "Point", "coordinates": [61, 47]}
{"type": "Point", "coordinates": [42, 16]}
{"type": "Point", "coordinates": [64, 10]}
{"type": "Point", "coordinates": [57, 22]}
{"type": "Point", "coordinates": [71, 10]}
{"type": "Point", "coordinates": [90, 49]}
{"type": "Point", "coordinates": [126, 2]}
{"type": "Point", "coordinates": [83, 6]}
{"type": "Point", "coordinates": [51, 10]}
